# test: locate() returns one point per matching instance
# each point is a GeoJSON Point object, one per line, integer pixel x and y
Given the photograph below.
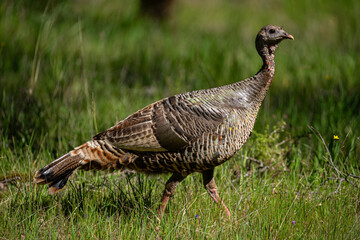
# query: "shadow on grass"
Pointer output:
{"type": "Point", "coordinates": [126, 196]}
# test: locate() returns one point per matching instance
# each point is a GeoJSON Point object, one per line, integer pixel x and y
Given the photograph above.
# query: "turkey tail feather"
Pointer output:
{"type": "Point", "coordinates": [58, 172]}
{"type": "Point", "coordinates": [91, 155]}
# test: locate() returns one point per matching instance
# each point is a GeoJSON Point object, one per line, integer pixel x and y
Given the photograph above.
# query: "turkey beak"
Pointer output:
{"type": "Point", "coordinates": [288, 36]}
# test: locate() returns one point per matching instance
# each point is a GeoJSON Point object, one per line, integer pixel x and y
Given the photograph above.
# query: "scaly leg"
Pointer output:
{"type": "Point", "coordinates": [170, 188]}
{"type": "Point", "coordinates": [210, 185]}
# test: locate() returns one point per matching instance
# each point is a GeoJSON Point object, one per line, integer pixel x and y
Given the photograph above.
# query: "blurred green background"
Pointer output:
{"type": "Point", "coordinates": [70, 69]}
{"type": "Point", "coordinates": [66, 63]}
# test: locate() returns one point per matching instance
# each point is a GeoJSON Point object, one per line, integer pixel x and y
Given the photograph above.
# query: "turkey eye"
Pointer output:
{"type": "Point", "coordinates": [272, 31]}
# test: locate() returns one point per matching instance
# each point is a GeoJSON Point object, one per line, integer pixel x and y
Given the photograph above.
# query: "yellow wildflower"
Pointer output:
{"type": "Point", "coordinates": [336, 137]}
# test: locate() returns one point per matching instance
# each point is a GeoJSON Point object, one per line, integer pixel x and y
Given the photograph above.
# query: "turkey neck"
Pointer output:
{"type": "Point", "coordinates": [266, 52]}
{"type": "Point", "coordinates": [260, 83]}
{"type": "Point", "coordinates": [252, 91]}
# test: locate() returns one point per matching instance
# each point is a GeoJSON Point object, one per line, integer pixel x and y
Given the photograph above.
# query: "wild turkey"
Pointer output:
{"type": "Point", "coordinates": [182, 134]}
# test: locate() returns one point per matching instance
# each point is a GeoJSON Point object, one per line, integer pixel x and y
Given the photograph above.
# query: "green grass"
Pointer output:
{"type": "Point", "coordinates": [70, 69]}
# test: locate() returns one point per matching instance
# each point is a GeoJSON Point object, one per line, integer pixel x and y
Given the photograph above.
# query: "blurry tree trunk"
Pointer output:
{"type": "Point", "coordinates": [159, 9]}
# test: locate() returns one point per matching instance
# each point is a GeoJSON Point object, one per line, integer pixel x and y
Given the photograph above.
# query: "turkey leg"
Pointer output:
{"type": "Point", "coordinates": [210, 186]}
{"type": "Point", "coordinates": [170, 188]}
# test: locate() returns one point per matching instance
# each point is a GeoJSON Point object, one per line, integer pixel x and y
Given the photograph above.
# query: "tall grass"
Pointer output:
{"type": "Point", "coordinates": [70, 69]}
